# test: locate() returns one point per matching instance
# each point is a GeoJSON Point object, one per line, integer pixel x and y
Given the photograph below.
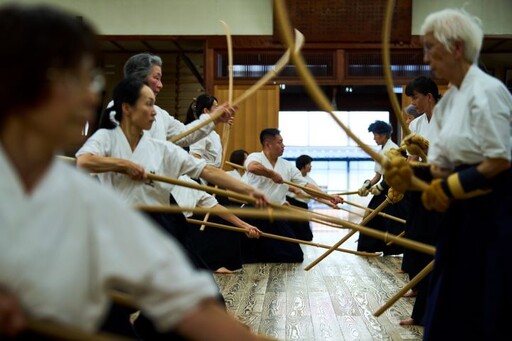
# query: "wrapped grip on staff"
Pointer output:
{"type": "Point", "coordinates": [394, 196]}
{"type": "Point", "coordinates": [465, 184]}
{"type": "Point", "coordinates": [415, 144]}
{"type": "Point", "coordinates": [364, 190]}
{"type": "Point", "coordinates": [399, 174]}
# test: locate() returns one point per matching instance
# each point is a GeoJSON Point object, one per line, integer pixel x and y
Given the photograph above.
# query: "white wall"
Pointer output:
{"type": "Point", "coordinates": [245, 17]}
{"type": "Point", "coordinates": [172, 17]}
{"type": "Point", "coordinates": [495, 14]}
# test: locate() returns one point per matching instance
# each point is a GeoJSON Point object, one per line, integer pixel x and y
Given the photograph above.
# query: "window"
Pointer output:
{"type": "Point", "coordinates": [339, 163]}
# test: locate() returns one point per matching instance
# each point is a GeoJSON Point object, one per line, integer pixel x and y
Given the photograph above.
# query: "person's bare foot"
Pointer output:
{"type": "Point", "coordinates": [224, 271]}
{"type": "Point", "coordinates": [407, 322]}
{"type": "Point", "coordinates": [400, 271]}
{"type": "Point", "coordinates": [410, 293]}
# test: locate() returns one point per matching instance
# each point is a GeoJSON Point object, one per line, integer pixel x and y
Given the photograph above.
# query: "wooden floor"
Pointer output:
{"type": "Point", "coordinates": [333, 301]}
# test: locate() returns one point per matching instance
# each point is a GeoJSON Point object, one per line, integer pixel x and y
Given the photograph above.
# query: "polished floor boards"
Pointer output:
{"type": "Point", "coordinates": [335, 300]}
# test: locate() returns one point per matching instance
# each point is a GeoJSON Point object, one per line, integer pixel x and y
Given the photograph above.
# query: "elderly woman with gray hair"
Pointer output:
{"type": "Point", "coordinates": [470, 160]}
{"type": "Point", "coordinates": [147, 67]}
{"type": "Point", "coordinates": [410, 114]}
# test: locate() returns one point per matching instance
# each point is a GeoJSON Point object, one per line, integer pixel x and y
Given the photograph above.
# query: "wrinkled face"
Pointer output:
{"type": "Point", "coordinates": [142, 114]}
{"type": "Point", "coordinates": [71, 102]}
{"type": "Point", "coordinates": [380, 139]}
{"type": "Point", "coordinates": [437, 56]}
{"type": "Point", "coordinates": [276, 146]}
{"type": "Point", "coordinates": [154, 79]}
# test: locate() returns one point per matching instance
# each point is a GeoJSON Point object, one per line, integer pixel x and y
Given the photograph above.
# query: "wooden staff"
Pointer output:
{"type": "Point", "coordinates": [389, 216]}
{"type": "Point", "coordinates": [386, 64]}
{"type": "Point", "coordinates": [350, 234]}
{"type": "Point", "coordinates": [347, 193]}
{"type": "Point", "coordinates": [59, 331]}
{"type": "Point", "coordinates": [123, 299]}
{"type": "Point", "coordinates": [401, 234]}
{"type": "Point", "coordinates": [273, 214]}
{"type": "Point", "coordinates": [227, 127]}
{"type": "Point", "coordinates": [283, 238]}
{"type": "Point", "coordinates": [304, 188]}
{"type": "Point", "coordinates": [406, 288]}
{"type": "Point", "coordinates": [314, 216]}
{"type": "Point", "coordinates": [421, 247]}
{"type": "Point", "coordinates": [312, 191]}
{"type": "Point", "coordinates": [351, 212]}
{"type": "Point", "coordinates": [274, 71]}
{"type": "Point", "coordinates": [318, 96]}
{"type": "Point", "coordinates": [69, 159]}
{"type": "Point", "coordinates": [199, 187]}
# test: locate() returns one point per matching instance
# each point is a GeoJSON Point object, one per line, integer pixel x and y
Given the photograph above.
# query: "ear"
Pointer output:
{"type": "Point", "coordinates": [458, 49]}
{"type": "Point", "coordinates": [126, 108]}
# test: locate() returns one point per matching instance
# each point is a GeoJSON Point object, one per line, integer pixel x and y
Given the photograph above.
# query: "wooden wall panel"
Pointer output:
{"type": "Point", "coordinates": [348, 20]}
{"type": "Point", "coordinates": [258, 112]}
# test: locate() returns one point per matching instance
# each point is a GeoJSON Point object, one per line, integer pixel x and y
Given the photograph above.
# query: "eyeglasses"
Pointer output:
{"type": "Point", "coordinates": [95, 81]}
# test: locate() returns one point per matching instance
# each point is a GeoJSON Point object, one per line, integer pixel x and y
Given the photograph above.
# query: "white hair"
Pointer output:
{"type": "Point", "coordinates": [450, 25]}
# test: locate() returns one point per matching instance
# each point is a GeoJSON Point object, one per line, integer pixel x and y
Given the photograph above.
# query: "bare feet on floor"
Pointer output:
{"type": "Point", "coordinates": [410, 293]}
{"type": "Point", "coordinates": [407, 322]}
{"type": "Point", "coordinates": [224, 271]}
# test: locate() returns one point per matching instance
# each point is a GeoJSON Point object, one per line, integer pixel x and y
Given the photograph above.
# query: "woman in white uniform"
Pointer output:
{"type": "Point", "coordinates": [65, 241]}
{"type": "Point", "coordinates": [147, 67]}
{"type": "Point", "coordinates": [210, 147]}
{"type": "Point", "coordinates": [122, 154]}
{"type": "Point", "coordinates": [220, 249]}
{"type": "Point", "coordinates": [421, 225]}
{"type": "Point", "coordinates": [470, 157]}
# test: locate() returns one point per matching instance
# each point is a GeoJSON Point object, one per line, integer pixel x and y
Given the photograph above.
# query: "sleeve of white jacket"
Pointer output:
{"type": "Point", "coordinates": [135, 255]}
{"type": "Point", "coordinates": [176, 127]}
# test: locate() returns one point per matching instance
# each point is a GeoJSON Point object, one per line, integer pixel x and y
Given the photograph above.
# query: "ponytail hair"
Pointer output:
{"type": "Point", "coordinates": [126, 91]}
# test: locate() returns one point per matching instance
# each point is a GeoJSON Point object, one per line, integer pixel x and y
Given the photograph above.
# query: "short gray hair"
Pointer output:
{"type": "Point", "coordinates": [139, 66]}
{"type": "Point", "coordinates": [411, 110]}
{"type": "Point", "coordinates": [450, 25]}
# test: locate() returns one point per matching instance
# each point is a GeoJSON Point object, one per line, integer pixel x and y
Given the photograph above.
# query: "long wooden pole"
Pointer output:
{"type": "Point", "coordinates": [347, 193]}
{"type": "Point", "coordinates": [380, 213]}
{"type": "Point", "coordinates": [319, 97]}
{"type": "Point", "coordinates": [311, 191]}
{"type": "Point", "coordinates": [273, 72]}
{"type": "Point", "coordinates": [57, 331]}
{"type": "Point", "coordinates": [386, 64]}
{"type": "Point", "coordinates": [420, 247]}
{"type": "Point", "coordinates": [227, 127]}
{"type": "Point", "coordinates": [273, 214]}
{"type": "Point", "coordinates": [341, 241]}
{"type": "Point", "coordinates": [325, 195]}
{"type": "Point", "coordinates": [283, 238]}
{"type": "Point", "coordinates": [426, 270]}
